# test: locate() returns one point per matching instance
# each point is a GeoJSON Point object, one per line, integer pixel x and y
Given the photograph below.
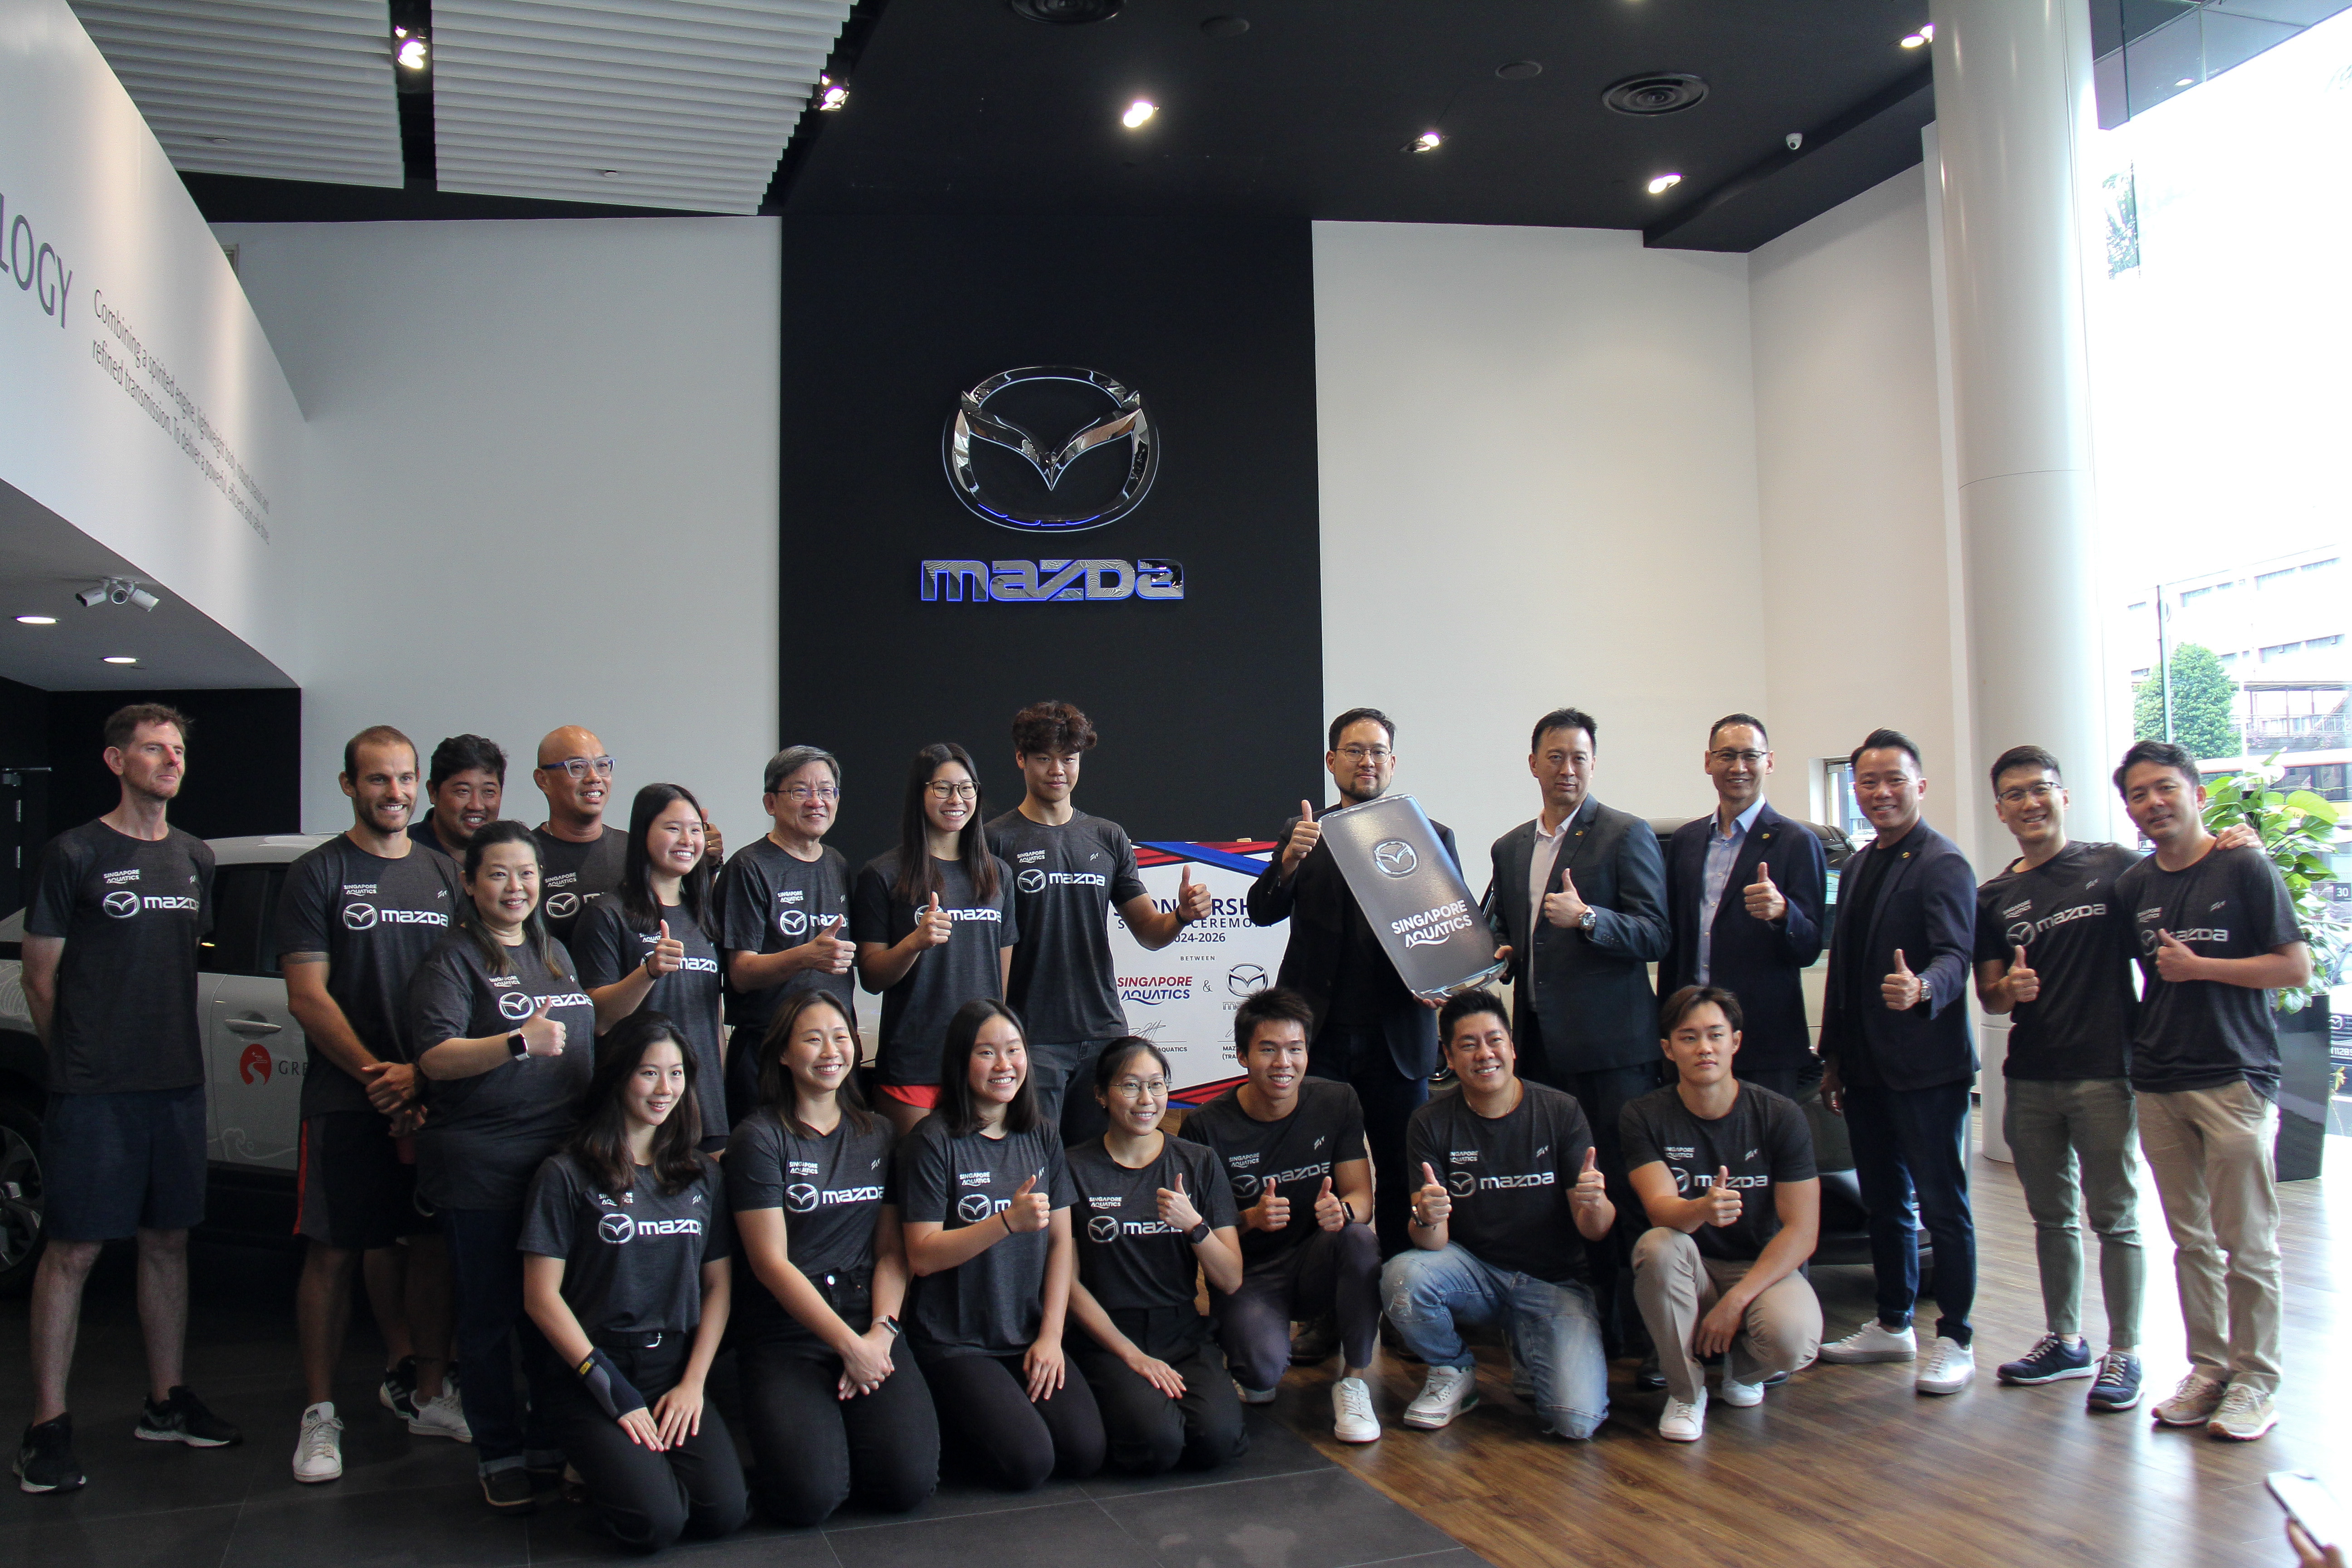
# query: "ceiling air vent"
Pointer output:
{"type": "Point", "coordinates": [1665, 93]}
{"type": "Point", "coordinates": [1066, 13]}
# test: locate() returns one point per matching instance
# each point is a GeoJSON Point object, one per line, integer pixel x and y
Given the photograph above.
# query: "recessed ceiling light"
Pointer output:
{"type": "Point", "coordinates": [610, 173]}
{"type": "Point", "coordinates": [2185, 81]}
{"type": "Point", "coordinates": [1664, 183]}
{"type": "Point", "coordinates": [1925, 34]}
{"type": "Point", "coordinates": [120, 659]}
{"type": "Point", "coordinates": [1519, 70]}
{"type": "Point", "coordinates": [831, 94]}
{"type": "Point", "coordinates": [411, 53]}
{"type": "Point", "coordinates": [1225, 26]}
{"type": "Point", "coordinates": [1427, 142]}
{"type": "Point", "coordinates": [1141, 110]}
{"type": "Point", "coordinates": [36, 620]}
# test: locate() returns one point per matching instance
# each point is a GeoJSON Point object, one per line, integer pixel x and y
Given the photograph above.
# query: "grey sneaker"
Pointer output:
{"type": "Point", "coordinates": [2192, 1404]}
{"type": "Point", "coordinates": [2245, 1414]}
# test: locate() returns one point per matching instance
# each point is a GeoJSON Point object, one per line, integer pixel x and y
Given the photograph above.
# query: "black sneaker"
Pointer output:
{"type": "Point", "coordinates": [397, 1392]}
{"type": "Point", "coordinates": [2052, 1360]}
{"type": "Point", "coordinates": [1649, 1376]}
{"type": "Point", "coordinates": [2117, 1386]}
{"type": "Point", "coordinates": [511, 1490]}
{"type": "Point", "coordinates": [183, 1418]}
{"type": "Point", "coordinates": [1315, 1343]}
{"type": "Point", "coordinates": [44, 1461]}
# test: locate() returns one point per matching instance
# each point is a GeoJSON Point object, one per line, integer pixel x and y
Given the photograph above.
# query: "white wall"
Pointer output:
{"type": "Point", "coordinates": [1538, 474]}
{"type": "Point", "coordinates": [545, 479]}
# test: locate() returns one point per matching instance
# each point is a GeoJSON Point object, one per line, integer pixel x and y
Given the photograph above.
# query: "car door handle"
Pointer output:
{"type": "Point", "coordinates": [252, 1026]}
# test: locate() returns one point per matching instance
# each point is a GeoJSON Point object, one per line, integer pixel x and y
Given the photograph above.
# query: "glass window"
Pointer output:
{"type": "Point", "coordinates": [245, 906]}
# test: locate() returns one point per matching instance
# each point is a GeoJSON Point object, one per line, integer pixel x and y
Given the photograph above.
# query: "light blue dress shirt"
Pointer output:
{"type": "Point", "coordinates": [1722, 849]}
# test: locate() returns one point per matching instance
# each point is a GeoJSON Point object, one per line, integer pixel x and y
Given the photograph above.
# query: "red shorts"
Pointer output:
{"type": "Point", "coordinates": [922, 1096]}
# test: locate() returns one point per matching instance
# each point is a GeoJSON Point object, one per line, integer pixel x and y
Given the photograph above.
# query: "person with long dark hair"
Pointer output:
{"type": "Point", "coordinates": [626, 1244]}
{"type": "Point", "coordinates": [1158, 1214]}
{"type": "Point", "coordinates": [491, 1011]}
{"type": "Point", "coordinates": [987, 1199]}
{"type": "Point", "coordinates": [934, 926]}
{"type": "Point", "coordinates": [833, 1404]}
{"type": "Point", "coordinates": [649, 947]}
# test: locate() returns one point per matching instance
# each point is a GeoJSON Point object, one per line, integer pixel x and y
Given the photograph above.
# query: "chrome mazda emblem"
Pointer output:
{"type": "Point", "coordinates": [1014, 439]}
{"type": "Point", "coordinates": [1245, 979]}
{"type": "Point", "coordinates": [1395, 858]}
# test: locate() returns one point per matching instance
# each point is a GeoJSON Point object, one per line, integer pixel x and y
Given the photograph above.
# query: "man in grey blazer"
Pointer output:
{"type": "Point", "coordinates": [1578, 897]}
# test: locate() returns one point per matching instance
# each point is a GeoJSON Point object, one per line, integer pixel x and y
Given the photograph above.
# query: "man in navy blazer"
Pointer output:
{"type": "Point", "coordinates": [1899, 1059]}
{"type": "Point", "coordinates": [1744, 888]}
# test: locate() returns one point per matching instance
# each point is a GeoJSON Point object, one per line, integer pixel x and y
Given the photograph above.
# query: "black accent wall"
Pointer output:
{"type": "Point", "coordinates": [244, 759]}
{"type": "Point", "coordinates": [1210, 708]}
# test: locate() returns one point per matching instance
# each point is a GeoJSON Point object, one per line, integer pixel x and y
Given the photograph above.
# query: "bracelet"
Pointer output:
{"type": "Point", "coordinates": [1006, 1215]}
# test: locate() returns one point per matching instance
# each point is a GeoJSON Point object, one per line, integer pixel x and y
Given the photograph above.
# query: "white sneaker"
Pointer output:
{"type": "Point", "coordinates": [1873, 1342]}
{"type": "Point", "coordinates": [1449, 1391]}
{"type": "Point", "coordinates": [1738, 1394]}
{"type": "Point", "coordinates": [441, 1417]}
{"type": "Point", "coordinates": [318, 1454]}
{"type": "Point", "coordinates": [1254, 1396]}
{"type": "Point", "coordinates": [1352, 1420]}
{"type": "Point", "coordinates": [1950, 1366]}
{"type": "Point", "coordinates": [1682, 1423]}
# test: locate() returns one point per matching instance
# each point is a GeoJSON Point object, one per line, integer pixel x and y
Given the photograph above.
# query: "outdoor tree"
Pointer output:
{"type": "Point", "coordinates": [2202, 694]}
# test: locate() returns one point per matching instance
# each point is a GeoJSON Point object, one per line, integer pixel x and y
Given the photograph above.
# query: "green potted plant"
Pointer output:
{"type": "Point", "coordinates": [2298, 830]}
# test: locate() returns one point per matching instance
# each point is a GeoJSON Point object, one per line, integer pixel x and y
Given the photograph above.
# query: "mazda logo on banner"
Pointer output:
{"type": "Point", "coordinates": [1395, 858]}
{"type": "Point", "coordinates": [1051, 449]}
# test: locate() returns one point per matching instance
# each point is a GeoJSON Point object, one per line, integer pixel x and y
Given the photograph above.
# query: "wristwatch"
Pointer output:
{"type": "Point", "coordinates": [1591, 918]}
{"type": "Point", "coordinates": [1198, 1234]}
{"type": "Point", "coordinates": [516, 1046]}
{"type": "Point", "coordinates": [891, 1325]}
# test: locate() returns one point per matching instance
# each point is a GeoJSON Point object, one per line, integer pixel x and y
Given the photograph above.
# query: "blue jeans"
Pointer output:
{"type": "Point", "coordinates": [1910, 1141]}
{"type": "Point", "coordinates": [1432, 1296]}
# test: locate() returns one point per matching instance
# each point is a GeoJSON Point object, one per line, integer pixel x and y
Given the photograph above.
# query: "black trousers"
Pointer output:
{"type": "Point", "coordinates": [1147, 1432]}
{"type": "Point", "coordinates": [493, 1333]}
{"type": "Point", "coordinates": [1794, 1083]}
{"type": "Point", "coordinates": [648, 1500]}
{"type": "Point", "coordinates": [985, 1400]}
{"type": "Point", "coordinates": [1361, 1058]}
{"type": "Point", "coordinates": [1334, 1271]}
{"type": "Point", "coordinates": [815, 1450]}
{"type": "Point", "coordinates": [1064, 1078]}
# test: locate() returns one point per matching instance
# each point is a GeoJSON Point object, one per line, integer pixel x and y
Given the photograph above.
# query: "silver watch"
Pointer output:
{"type": "Point", "coordinates": [1591, 918]}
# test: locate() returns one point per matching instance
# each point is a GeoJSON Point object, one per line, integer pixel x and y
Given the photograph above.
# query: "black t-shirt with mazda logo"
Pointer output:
{"type": "Point", "coordinates": [1292, 1155]}
{"type": "Point", "coordinates": [132, 911]}
{"type": "Point", "coordinates": [573, 877]}
{"type": "Point", "coordinates": [1065, 883]}
{"type": "Point", "coordinates": [2062, 913]}
{"type": "Point", "coordinates": [375, 920]}
{"type": "Point", "coordinates": [769, 900]}
{"type": "Point", "coordinates": [485, 1136]}
{"type": "Point", "coordinates": [2203, 1033]}
{"type": "Point", "coordinates": [1127, 1258]}
{"type": "Point", "coordinates": [632, 1261]}
{"type": "Point", "coordinates": [832, 1189]}
{"type": "Point", "coordinates": [991, 1304]}
{"type": "Point", "coordinates": [610, 947]}
{"type": "Point", "coordinates": [1765, 1140]}
{"type": "Point", "coordinates": [916, 1011]}
{"type": "Point", "coordinates": [1510, 1177]}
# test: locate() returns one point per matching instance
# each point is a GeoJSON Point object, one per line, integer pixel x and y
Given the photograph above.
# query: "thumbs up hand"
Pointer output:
{"type": "Point", "coordinates": [1029, 1211]}
{"type": "Point", "coordinates": [932, 926]}
{"type": "Point", "coordinates": [2020, 982]}
{"type": "Point", "coordinates": [1330, 1212]}
{"type": "Point", "coordinates": [1433, 1204]}
{"type": "Point", "coordinates": [1567, 907]}
{"type": "Point", "coordinates": [1270, 1213]}
{"type": "Point", "coordinates": [830, 953]}
{"type": "Point", "coordinates": [1303, 836]}
{"type": "Point", "coordinates": [667, 956]}
{"type": "Point", "coordinates": [1193, 900]}
{"type": "Point", "coordinates": [1902, 990]}
{"type": "Point", "coordinates": [2174, 961]}
{"type": "Point", "coordinates": [1764, 899]}
{"type": "Point", "coordinates": [542, 1035]}
{"type": "Point", "coordinates": [1722, 1199]}
{"type": "Point", "coordinates": [1592, 1189]}
{"type": "Point", "coordinates": [1176, 1210]}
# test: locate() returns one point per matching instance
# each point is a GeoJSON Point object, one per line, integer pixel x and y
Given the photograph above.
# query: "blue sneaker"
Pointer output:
{"type": "Point", "coordinates": [2118, 1384]}
{"type": "Point", "coordinates": [2050, 1361]}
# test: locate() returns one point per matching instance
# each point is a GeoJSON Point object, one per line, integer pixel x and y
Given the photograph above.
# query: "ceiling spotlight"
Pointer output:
{"type": "Point", "coordinates": [1427, 142]}
{"type": "Point", "coordinates": [831, 94]}
{"type": "Point", "coordinates": [120, 659]}
{"type": "Point", "coordinates": [36, 620]}
{"type": "Point", "coordinates": [1664, 183]}
{"type": "Point", "coordinates": [2185, 81]}
{"type": "Point", "coordinates": [1141, 110]}
{"type": "Point", "coordinates": [411, 53]}
{"type": "Point", "coordinates": [1925, 34]}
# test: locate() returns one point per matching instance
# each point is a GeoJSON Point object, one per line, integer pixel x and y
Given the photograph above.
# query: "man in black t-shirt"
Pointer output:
{"type": "Point", "coordinates": [1725, 1172]}
{"type": "Point", "coordinates": [1069, 871]}
{"type": "Point", "coordinates": [109, 977]}
{"type": "Point", "coordinates": [2215, 932]}
{"type": "Point", "coordinates": [579, 857]}
{"type": "Point", "coordinates": [463, 787]}
{"type": "Point", "coordinates": [358, 914]}
{"type": "Point", "coordinates": [1511, 1197]}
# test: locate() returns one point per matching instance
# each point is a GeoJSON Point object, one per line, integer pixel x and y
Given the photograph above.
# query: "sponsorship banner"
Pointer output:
{"type": "Point", "coordinates": [1181, 998]}
{"type": "Point", "coordinates": [1413, 895]}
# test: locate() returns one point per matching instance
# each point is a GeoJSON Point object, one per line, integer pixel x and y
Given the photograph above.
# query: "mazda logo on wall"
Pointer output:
{"type": "Point", "coordinates": [1051, 449]}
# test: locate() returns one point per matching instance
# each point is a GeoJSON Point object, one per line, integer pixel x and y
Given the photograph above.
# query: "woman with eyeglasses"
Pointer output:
{"type": "Point", "coordinates": [835, 1405]}
{"type": "Point", "coordinates": [934, 927]}
{"type": "Point", "coordinates": [783, 913]}
{"type": "Point", "coordinates": [1155, 1213]}
{"type": "Point", "coordinates": [505, 1043]}
{"type": "Point", "coordinates": [648, 947]}
{"type": "Point", "coordinates": [624, 1264]}
{"type": "Point", "coordinates": [987, 1199]}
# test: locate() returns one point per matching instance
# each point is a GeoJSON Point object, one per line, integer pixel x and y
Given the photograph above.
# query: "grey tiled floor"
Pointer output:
{"type": "Point", "coordinates": [407, 1502]}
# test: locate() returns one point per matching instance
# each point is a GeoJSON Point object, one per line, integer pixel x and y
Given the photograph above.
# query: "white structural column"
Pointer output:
{"type": "Point", "coordinates": [2013, 105]}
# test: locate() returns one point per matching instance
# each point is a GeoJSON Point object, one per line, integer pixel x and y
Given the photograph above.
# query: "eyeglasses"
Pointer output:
{"type": "Point", "coordinates": [944, 789]}
{"type": "Point", "coordinates": [1728, 757]}
{"type": "Point", "coordinates": [798, 794]}
{"type": "Point", "coordinates": [580, 767]}
{"type": "Point", "coordinates": [2037, 793]}
{"type": "Point", "coordinates": [1363, 754]}
{"type": "Point", "coordinates": [1140, 1088]}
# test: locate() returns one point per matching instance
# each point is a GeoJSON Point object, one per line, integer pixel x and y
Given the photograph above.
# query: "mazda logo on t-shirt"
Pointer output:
{"type": "Point", "coordinates": [1033, 881]}
{"type": "Point", "coordinates": [1395, 858]}
{"type": "Point", "coordinates": [1244, 1184]}
{"type": "Point", "coordinates": [516, 1005]}
{"type": "Point", "coordinates": [791, 922]}
{"type": "Point", "coordinates": [2021, 933]}
{"type": "Point", "coordinates": [1103, 1228]}
{"type": "Point", "coordinates": [1050, 449]}
{"type": "Point", "coordinates": [800, 1197]}
{"type": "Point", "coordinates": [121, 905]}
{"type": "Point", "coordinates": [973, 1207]}
{"type": "Point", "coordinates": [359, 917]}
{"type": "Point", "coordinates": [616, 1228]}
{"type": "Point", "coordinates": [562, 906]}
{"type": "Point", "coordinates": [1461, 1184]}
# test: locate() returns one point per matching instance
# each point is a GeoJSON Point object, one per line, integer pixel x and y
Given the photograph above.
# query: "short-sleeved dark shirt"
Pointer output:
{"type": "Point", "coordinates": [832, 1190]}
{"type": "Point", "coordinates": [2060, 913]}
{"type": "Point", "coordinates": [1291, 1156]}
{"type": "Point", "coordinates": [915, 1012]}
{"type": "Point", "coordinates": [610, 947]}
{"type": "Point", "coordinates": [771, 901]}
{"type": "Point", "coordinates": [631, 1264]}
{"type": "Point", "coordinates": [993, 1303]}
{"type": "Point", "coordinates": [1765, 1141]}
{"type": "Point", "coordinates": [2203, 1033]}
{"type": "Point", "coordinates": [573, 877]}
{"type": "Point", "coordinates": [1510, 1177]}
{"type": "Point", "coordinates": [1126, 1258]}
{"type": "Point", "coordinates": [1065, 881]}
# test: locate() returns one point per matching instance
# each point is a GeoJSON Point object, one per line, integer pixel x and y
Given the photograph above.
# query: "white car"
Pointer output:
{"type": "Point", "coordinates": [254, 1061]}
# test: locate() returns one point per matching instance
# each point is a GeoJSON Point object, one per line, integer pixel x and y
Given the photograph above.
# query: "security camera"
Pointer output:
{"type": "Point", "coordinates": [118, 591]}
{"type": "Point", "coordinates": [1795, 138]}
{"type": "Point", "coordinates": [144, 600]}
{"type": "Point", "coordinates": [91, 598]}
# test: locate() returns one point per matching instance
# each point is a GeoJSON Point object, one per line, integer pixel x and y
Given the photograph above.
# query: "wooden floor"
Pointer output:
{"type": "Point", "coordinates": [1848, 1465]}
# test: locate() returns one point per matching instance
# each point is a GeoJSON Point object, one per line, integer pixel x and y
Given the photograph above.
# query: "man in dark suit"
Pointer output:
{"type": "Point", "coordinates": [1369, 1031]}
{"type": "Point", "coordinates": [1744, 894]}
{"type": "Point", "coordinates": [1578, 897]}
{"type": "Point", "coordinates": [1899, 1059]}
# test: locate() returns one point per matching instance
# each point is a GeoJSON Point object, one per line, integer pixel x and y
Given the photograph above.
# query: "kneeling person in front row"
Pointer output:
{"type": "Point", "coordinates": [1724, 1172]}
{"type": "Point", "coordinates": [1511, 1199]}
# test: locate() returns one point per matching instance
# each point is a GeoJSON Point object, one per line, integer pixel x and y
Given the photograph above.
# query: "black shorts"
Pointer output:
{"type": "Point", "coordinates": [115, 1163]}
{"type": "Point", "coordinates": [355, 1192]}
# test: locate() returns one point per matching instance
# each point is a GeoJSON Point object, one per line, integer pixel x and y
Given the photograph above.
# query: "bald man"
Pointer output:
{"type": "Point", "coordinates": [580, 857]}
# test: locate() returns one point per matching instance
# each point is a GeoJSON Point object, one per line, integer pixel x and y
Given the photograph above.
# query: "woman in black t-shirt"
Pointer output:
{"type": "Point", "coordinates": [504, 1041]}
{"type": "Point", "coordinates": [933, 923]}
{"type": "Point", "coordinates": [1155, 1213]}
{"type": "Point", "coordinates": [834, 1403]}
{"type": "Point", "coordinates": [987, 1202]}
{"type": "Point", "coordinates": [652, 945]}
{"type": "Point", "coordinates": [624, 1270]}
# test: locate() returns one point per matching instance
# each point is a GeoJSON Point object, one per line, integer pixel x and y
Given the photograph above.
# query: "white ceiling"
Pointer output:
{"type": "Point", "coordinates": [285, 89]}
{"type": "Point", "coordinates": [665, 103]}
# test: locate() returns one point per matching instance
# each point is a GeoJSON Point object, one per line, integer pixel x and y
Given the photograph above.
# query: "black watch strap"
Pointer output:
{"type": "Point", "coordinates": [516, 1046]}
{"type": "Point", "coordinates": [1198, 1234]}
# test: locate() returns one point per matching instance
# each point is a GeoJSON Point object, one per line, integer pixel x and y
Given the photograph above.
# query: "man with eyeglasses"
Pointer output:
{"type": "Point", "coordinates": [462, 791]}
{"type": "Point", "coordinates": [784, 912]}
{"type": "Point", "coordinates": [1744, 887]}
{"type": "Point", "coordinates": [1369, 1031]}
{"type": "Point", "coordinates": [580, 857]}
{"type": "Point", "coordinates": [1069, 871]}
